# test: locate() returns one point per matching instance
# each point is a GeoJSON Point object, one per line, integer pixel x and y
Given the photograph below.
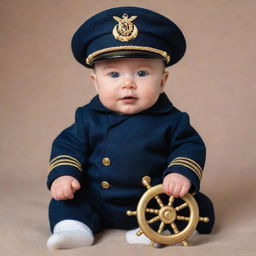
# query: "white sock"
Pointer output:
{"type": "Point", "coordinates": [195, 232]}
{"type": "Point", "coordinates": [132, 238]}
{"type": "Point", "coordinates": [69, 234]}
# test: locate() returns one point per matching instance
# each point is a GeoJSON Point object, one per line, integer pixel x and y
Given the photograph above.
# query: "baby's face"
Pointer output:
{"type": "Point", "coordinates": [129, 85]}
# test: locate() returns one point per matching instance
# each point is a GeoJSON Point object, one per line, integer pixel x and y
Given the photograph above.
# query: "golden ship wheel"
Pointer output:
{"type": "Point", "coordinates": [166, 215]}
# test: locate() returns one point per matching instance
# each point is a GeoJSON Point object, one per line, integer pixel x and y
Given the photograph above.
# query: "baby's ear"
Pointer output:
{"type": "Point", "coordinates": [164, 79]}
{"type": "Point", "coordinates": [93, 79]}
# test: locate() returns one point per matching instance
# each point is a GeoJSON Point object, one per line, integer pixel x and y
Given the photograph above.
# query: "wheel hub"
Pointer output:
{"type": "Point", "coordinates": [167, 214]}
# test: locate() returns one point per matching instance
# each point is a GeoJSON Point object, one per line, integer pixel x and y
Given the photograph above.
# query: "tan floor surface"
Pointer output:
{"type": "Point", "coordinates": [24, 228]}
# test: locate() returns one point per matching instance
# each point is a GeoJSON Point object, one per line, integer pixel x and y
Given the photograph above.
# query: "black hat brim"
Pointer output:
{"type": "Point", "coordinates": [127, 54]}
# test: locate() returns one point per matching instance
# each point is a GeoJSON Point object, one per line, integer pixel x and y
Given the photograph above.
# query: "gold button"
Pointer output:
{"type": "Point", "coordinates": [105, 184]}
{"type": "Point", "coordinates": [106, 161]}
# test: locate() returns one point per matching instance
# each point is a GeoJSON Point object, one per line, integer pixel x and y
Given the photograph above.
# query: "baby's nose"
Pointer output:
{"type": "Point", "coordinates": [129, 83]}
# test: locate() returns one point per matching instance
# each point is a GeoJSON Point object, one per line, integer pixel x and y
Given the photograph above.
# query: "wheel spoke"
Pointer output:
{"type": "Point", "coordinates": [171, 199]}
{"type": "Point", "coordinates": [175, 228]}
{"type": "Point", "coordinates": [159, 201]}
{"type": "Point", "coordinates": [161, 227]}
{"type": "Point", "coordinates": [183, 218]}
{"type": "Point", "coordinates": [155, 211]}
{"type": "Point", "coordinates": [155, 219]}
{"type": "Point", "coordinates": [176, 231]}
{"type": "Point", "coordinates": [182, 206]}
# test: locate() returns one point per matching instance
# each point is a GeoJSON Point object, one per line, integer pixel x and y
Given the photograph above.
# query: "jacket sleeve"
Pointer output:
{"type": "Point", "coordinates": [69, 151]}
{"type": "Point", "coordinates": [187, 155]}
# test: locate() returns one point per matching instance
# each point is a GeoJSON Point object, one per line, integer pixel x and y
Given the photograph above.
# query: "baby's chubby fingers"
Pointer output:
{"type": "Point", "coordinates": [168, 186]}
{"type": "Point", "coordinates": [176, 191]}
{"type": "Point", "coordinates": [75, 185]}
{"type": "Point", "coordinates": [67, 191]}
{"type": "Point", "coordinates": [176, 185]}
{"type": "Point", "coordinates": [184, 190]}
{"type": "Point", "coordinates": [54, 194]}
{"type": "Point", "coordinates": [60, 194]}
{"type": "Point", "coordinates": [63, 188]}
{"type": "Point", "coordinates": [57, 193]}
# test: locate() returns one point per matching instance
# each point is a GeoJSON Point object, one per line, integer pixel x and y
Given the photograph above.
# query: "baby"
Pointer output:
{"type": "Point", "coordinates": [128, 131]}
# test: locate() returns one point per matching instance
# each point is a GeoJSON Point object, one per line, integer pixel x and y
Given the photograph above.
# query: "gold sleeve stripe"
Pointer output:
{"type": "Point", "coordinates": [190, 160]}
{"type": "Point", "coordinates": [70, 164]}
{"type": "Point", "coordinates": [65, 157]}
{"type": "Point", "coordinates": [194, 168]}
{"type": "Point", "coordinates": [197, 170]}
{"type": "Point", "coordinates": [198, 175]}
{"type": "Point", "coordinates": [66, 161]}
{"type": "Point", "coordinates": [189, 163]}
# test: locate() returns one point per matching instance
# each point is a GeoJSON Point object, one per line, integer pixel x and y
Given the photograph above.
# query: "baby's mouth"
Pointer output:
{"type": "Point", "coordinates": [129, 99]}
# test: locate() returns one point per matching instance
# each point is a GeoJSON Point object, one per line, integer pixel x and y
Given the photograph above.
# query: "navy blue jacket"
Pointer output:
{"type": "Point", "coordinates": [155, 142]}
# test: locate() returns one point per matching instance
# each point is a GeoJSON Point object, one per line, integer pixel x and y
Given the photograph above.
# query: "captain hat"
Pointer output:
{"type": "Point", "coordinates": [131, 32]}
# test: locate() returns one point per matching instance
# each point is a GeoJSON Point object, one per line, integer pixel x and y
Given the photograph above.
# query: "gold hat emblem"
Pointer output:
{"type": "Point", "coordinates": [125, 30]}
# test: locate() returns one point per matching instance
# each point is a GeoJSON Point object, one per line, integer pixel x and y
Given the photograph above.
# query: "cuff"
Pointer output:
{"type": "Point", "coordinates": [188, 168]}
{"type": "Point", "coordinates": [64, 166]}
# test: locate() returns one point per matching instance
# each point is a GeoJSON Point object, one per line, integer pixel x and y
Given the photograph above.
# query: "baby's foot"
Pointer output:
{"type": "Point", "coordinates": [69, 234]}
{"type": "Point", "coordinates": [69, 239]}
{"type": "Point", "coordinates": [132, 238]}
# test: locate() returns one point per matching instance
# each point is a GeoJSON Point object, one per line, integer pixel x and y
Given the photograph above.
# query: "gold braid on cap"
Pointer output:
{"type": "Point", "coordinates": [164, 54]}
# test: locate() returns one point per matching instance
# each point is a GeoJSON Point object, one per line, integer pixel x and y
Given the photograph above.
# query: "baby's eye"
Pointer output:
{"type": "Point", "coordinates": [142, 73]}
{"type": "Point", "coordinates": [114, 74]}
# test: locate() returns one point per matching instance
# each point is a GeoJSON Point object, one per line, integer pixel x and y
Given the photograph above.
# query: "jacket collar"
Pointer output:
{"type": "Point", "coordinates": [162, 105]}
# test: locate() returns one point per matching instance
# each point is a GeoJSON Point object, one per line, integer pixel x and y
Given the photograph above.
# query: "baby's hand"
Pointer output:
{"type": "Point", "coordinates": [176, 185]}
{"type": "Point", "coordinates": [64, 187]}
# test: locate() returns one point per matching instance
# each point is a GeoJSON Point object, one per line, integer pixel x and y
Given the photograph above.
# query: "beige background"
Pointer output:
{"type": "Point", "coordinates": [41, 86]}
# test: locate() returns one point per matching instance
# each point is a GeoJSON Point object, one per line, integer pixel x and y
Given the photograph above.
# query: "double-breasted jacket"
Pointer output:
{"type": "Point", "coordinates": [109, 153]}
